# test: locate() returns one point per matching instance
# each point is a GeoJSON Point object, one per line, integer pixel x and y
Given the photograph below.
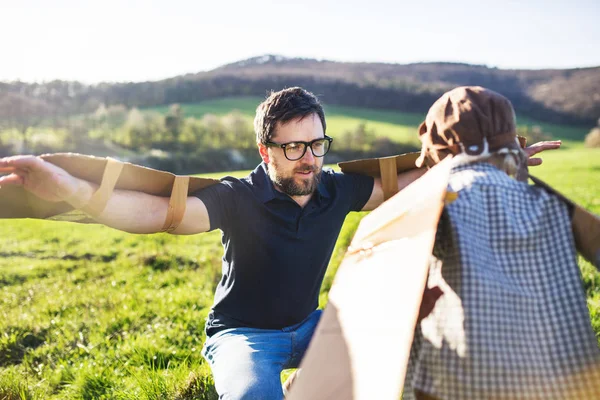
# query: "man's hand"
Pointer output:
{"type": "Point", "coordinates": [538, 148]}
{"type": "Point", "coordinates": [39, 177]}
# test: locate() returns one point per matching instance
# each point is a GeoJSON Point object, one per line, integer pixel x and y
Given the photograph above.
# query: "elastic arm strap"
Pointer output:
{"type": "Point", "coordinates": [111, 174]}
{"type": "Point", "coordinates": [389, 176]}
{"type": "Point", "coordinates": [177, 204]}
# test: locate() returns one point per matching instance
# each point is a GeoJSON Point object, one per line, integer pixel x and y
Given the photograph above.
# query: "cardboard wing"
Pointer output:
{"type": "Point", "coordinates": [361, 346]}
{"type": "Point", "coordinates": [386, 168]}
{"type": "Point", "coordinates": [584, 224]}
{"type": "Point", "coordinates": [372, 166]}
{"type": "Point", "coordinates": [16, 202]}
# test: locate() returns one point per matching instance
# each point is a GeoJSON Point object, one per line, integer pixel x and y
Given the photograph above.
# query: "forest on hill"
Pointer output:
{"type": "Point", "coordinates": [564, 96]}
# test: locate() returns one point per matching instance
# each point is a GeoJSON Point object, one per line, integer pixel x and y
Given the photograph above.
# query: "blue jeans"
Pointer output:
{"type": "Point", "coordinates": [247, 362]}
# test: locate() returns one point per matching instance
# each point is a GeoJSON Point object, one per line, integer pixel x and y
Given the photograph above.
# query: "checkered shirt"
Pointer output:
{"type": "Point", "coordinates": [512, 322]}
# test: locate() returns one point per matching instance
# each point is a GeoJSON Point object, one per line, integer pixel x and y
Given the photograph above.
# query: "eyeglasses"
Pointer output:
{"type": "Point", "coordinates": [295, 150]}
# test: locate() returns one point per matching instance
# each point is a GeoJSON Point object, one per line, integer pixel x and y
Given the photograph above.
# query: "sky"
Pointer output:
{"type": "Point", "coordinates": [117, 41]}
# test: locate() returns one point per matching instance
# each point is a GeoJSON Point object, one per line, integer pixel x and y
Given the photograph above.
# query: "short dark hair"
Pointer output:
{"type": "Point", "coordinates": [284, 106]}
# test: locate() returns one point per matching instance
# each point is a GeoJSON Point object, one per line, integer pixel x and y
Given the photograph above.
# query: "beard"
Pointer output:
{"type": "Point", "coordinates": [293, 186]}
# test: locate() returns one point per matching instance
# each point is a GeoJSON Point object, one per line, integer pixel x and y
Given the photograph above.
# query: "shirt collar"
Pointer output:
{"type": "Point", "coordinates": [264, 189]}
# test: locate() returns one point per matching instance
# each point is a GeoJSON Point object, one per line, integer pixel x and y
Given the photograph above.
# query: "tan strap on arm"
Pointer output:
{"type": "Point", "coordinates": [97, 203]}
{"type": "Point", "coordinates": [389, 176]}
{"type": "Point", "coordinates": [177, 203]}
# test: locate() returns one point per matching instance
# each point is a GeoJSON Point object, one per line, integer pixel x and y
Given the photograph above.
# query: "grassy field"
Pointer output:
{"type": "Point", "coordinates": [399, 126]}
{"type": "Point", "coordinates": [88, 312]}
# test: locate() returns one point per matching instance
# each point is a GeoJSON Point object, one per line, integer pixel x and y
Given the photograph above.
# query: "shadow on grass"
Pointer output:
{"type": "Point", "coordinates": [16, 342]}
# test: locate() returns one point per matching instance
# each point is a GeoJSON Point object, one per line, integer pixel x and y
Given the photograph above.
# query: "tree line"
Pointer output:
{"type": "Point", "coordinates": [171, 141]}
{"type": "Point", "coordinates": [558, 96]}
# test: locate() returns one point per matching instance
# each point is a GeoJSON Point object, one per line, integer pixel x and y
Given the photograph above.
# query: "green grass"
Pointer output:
{"type": "Point", "coordinates": [88, 312]}
{"type": "Point", "coordinates": [399, 126]}
{"type": "Point", "coordinates": [245, 105]}
{"type": "Point", "coordinates": [576, 174]}
{"type": "Point", "coordinates": [563, 132]}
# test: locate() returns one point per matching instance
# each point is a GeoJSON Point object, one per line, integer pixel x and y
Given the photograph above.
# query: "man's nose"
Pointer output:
{"type": "Point", "coordinates": [308, 155]}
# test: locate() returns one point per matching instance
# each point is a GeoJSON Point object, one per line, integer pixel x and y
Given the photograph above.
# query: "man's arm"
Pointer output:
{"type": "Point", "coordinates": [404, 179]}
{"type": "Point", "coordinates": [126, 210]}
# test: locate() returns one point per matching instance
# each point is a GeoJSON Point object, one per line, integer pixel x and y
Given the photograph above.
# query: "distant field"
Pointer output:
{"type": "Point", "coordinates": [398, 126]}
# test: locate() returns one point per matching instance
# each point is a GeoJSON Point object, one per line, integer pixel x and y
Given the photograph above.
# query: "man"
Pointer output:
{"type": "Point", "coordinates": [512, 322]}
{"type": "Point", "coordinates": [279, 228]}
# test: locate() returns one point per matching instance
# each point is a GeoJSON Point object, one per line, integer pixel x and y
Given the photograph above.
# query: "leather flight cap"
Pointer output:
{"type": "Point", "coordinates": [468, 119]}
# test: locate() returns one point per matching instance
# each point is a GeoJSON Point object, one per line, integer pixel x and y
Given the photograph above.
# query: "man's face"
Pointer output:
{"type": "Point", "coordinates": [300, 177]}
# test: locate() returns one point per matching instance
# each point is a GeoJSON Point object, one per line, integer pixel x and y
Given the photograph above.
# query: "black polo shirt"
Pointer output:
{"type": "Point", "coordinates": [276, 252]}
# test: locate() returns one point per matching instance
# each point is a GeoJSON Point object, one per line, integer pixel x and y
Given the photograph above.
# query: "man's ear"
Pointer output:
{"type": "Point", "coordinates": [264, 153]}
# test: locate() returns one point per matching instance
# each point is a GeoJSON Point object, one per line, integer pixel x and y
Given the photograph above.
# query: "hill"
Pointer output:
{"type": "Point", "coordinates": [569, 96]}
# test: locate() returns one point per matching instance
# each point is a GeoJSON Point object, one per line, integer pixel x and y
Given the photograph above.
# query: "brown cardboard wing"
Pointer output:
{"type": "Point", "coordinates": [584, 224]}
{"type": "Point", "coordinates": [386, 168]}
{"type": "Point", "coordinates": [361, 346]}
{"type": "Point", "coordinates": [371, 166]}
{"type": "Point", "coordinates": [15, 202]}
